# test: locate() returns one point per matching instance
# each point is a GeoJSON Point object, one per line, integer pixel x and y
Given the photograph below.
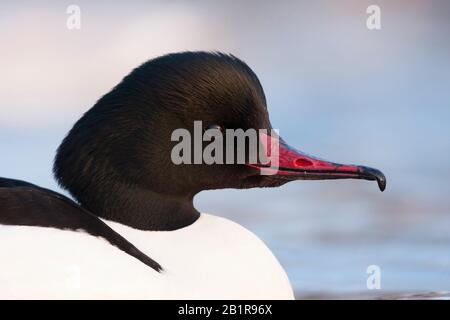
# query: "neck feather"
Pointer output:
{"type": "Point", "coordinates": [143, 209]}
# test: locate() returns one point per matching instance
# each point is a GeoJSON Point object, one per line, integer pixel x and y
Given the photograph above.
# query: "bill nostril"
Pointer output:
{"type": "Point", "coordinates": [301, 162]}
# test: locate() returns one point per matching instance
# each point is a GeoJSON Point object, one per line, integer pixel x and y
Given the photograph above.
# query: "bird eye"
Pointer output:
{"type": "Point", "coordinates": [214, 127]}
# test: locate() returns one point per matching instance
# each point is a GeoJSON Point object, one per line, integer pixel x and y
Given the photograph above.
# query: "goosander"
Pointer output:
{"type": "Point", "coordinates": [132, 230]}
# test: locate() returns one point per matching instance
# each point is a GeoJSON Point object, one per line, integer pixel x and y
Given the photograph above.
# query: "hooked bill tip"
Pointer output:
{"type": "Point", "coordinates": [381, 183]}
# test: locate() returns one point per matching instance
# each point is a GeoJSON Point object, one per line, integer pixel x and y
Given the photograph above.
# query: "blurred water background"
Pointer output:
{"type": "Point", "coordinates": [334, 88]}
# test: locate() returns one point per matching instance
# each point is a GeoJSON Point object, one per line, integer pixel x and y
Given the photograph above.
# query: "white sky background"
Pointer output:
{"type": "Point", "coordinates": [51, 74]}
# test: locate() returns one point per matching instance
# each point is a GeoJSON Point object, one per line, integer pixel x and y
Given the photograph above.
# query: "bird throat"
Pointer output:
{"type": "Point", "coordinates": [145, 209]}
